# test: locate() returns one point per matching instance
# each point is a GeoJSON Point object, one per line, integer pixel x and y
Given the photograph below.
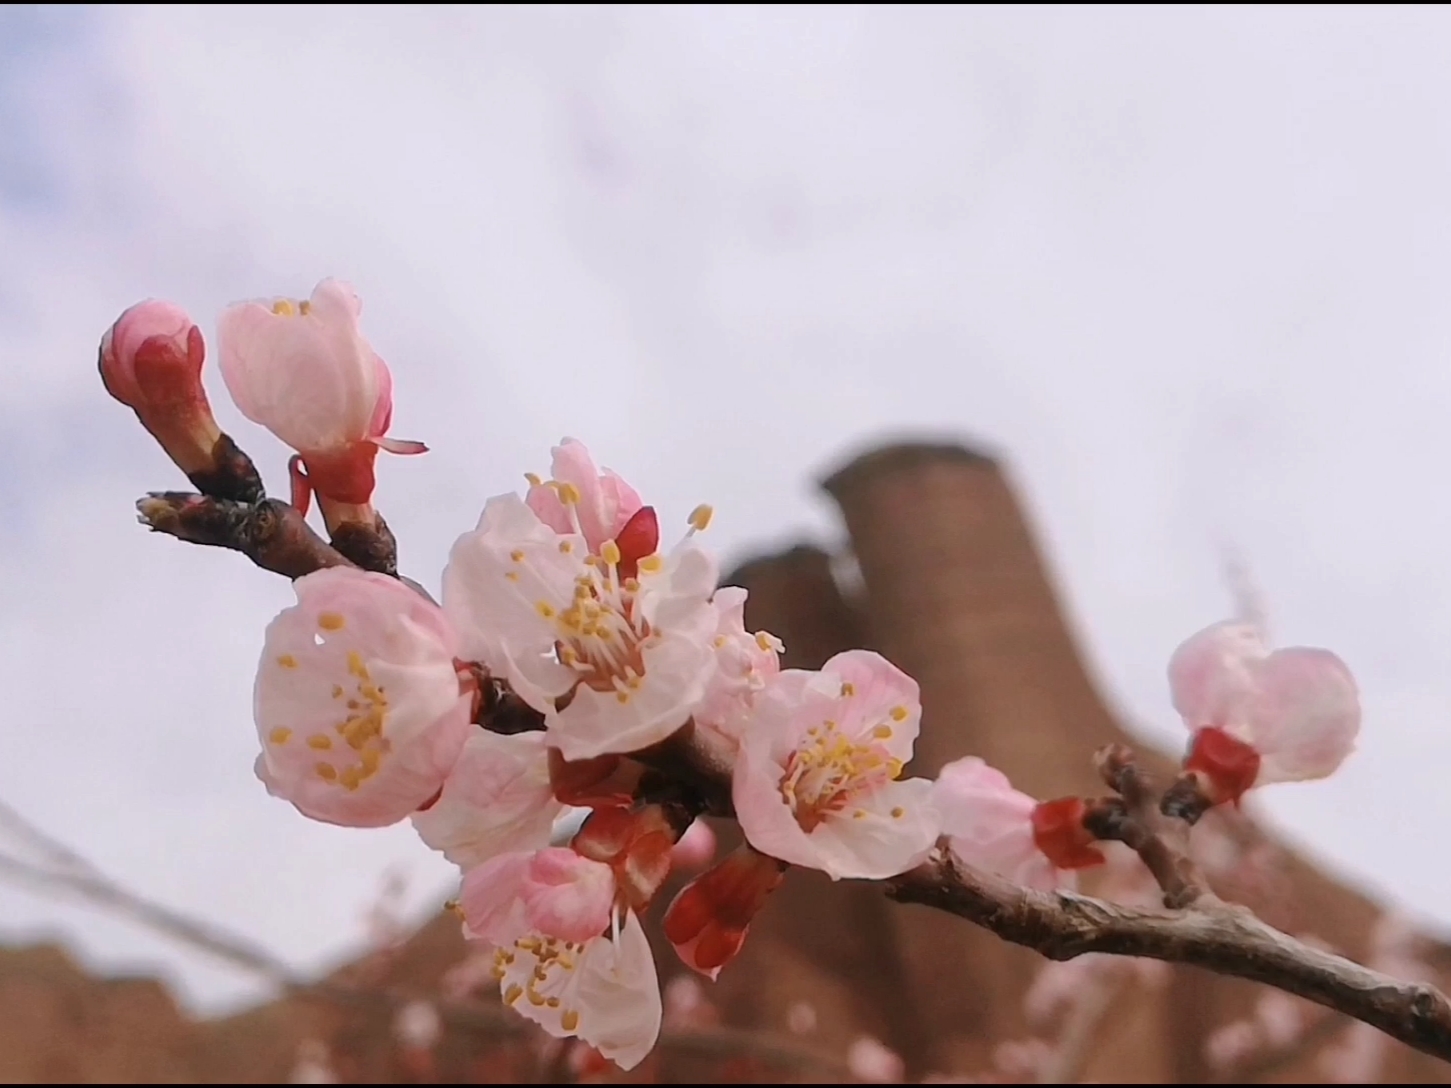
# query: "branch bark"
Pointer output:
{"type": "Point", "coordinates": [1226, 939]}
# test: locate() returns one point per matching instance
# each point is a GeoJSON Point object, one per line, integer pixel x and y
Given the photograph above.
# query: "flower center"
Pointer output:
{"type": "Point", "coordinates": [539, 970]}
{"type": "Point", "coordinates": [830, 770]}
{"type": "Point", "coordinates": [599, 631]}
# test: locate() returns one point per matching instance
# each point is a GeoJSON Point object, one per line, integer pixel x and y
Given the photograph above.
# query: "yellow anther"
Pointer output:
{"type": "Point", "coordinates": [356, 666]}
{"type": "Point", "coordinates": [321, 741]}
{"type": "Point", "coordinates": [513, 993]}
{"type": "Point", "coordinates": [287, 661]}
{"type": "Point", "coordinates": [848, 690]}
{"type": "Point", "coordinates": [566, 546]}
{"type": "Point", "coordinates": [535, 997]}
{"type": "Point", "coordinates": [700, 517]}
{"type": "Point", "coordinates": [304, 307]}
{"type": "Point", "coordinates": [610, 553]}
{"type": "Point", "coordinates": [568, 493]}
{"type": "Point", "coordinates": [330, 621]}
{"type": "Point", "coordinates": [632, 585]}
{"type": "Point", "coordinates": [570, 1020]}
{"type": "Point", "coordinates": [899, 713]}
{"type": "Point", "coordinates": [534, 480]}
{"type": "Point", "coordinates": [720, 641]}
{"type": "Point", "coordinates": [882, 732]}
{"type": "Point", "coordinates": [327, 772]}
{"type": "Point", "coordinates": [337, 691]}
{"type": "Point", "coordinates": [898, 812]}
{"type": "Point", "coordinates": [284, 308]}
{"type": "Point", "coordinates": [279, 735]}
{"type": "Point", "coordinates": [517, 555]}
{"type": "Point", "coordinates": [512, 575]}
{"type": "Point", "coordinates": [622, 697]}
{"type": "Point", "coordinates": [545, 609]}
{"type": "Point", "coordinates": [552, 1002]}
{"type": "Point", "coordinates": [859, 814]}
{"type": "Point", "coordinates": [651, 563]}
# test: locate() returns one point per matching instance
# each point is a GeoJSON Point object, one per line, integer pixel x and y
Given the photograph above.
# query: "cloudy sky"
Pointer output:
{"type": "Point", "coordinates": [1187, 269]}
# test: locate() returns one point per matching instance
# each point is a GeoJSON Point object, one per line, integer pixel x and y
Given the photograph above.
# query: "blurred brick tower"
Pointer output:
{"type": "Point", "coordinates": [952, 588]}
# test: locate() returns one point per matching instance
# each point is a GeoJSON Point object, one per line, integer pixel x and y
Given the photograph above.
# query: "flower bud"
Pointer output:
{"type": "Point", "coordinates": [151, 361]}
{"type": "Point", "coordinates": [303, 370]}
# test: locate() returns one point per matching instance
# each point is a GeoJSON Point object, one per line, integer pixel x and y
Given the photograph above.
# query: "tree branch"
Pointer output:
{"type": "Point", "coordinates": [1226, 939]}
{"type": "Point", "coordinates": [271, 533]}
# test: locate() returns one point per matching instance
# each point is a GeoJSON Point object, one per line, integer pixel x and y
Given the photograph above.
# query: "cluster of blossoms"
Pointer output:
{"type": "Point", "coordinates": [375, 704]}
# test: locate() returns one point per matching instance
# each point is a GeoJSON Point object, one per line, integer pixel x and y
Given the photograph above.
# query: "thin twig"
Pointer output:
{"type": "Point", "coordinates": [1223, 938]}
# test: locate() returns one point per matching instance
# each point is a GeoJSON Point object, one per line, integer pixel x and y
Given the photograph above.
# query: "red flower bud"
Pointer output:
{"type": "Point", "coordinates": [151, 361]}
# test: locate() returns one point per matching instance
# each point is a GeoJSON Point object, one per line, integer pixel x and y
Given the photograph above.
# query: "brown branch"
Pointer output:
{"type": "Point", "coordinates": [271, 533]}
{"type": "Point", "coordinates": [1226, 939]}
{"type": "Point", "coordinates": [1134, 819]}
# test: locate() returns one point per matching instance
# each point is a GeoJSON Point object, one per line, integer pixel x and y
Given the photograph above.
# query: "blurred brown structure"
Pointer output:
{"type": "Point", "coordinates": [953, 589]}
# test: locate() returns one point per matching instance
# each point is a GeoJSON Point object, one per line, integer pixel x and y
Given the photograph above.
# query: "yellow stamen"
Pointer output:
{"type": "Point", "coordinates": [287, 661]}
{"type": "Point", "coordinates": [279, 735]}
{"type": "Point", "coordinates": [700, 517]}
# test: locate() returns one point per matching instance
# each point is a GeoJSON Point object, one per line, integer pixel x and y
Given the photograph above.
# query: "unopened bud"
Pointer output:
{"type": "Point", "coordinates": [151, 361]}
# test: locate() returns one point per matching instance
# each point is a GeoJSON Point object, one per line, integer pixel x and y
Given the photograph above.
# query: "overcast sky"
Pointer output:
{"type": "Point", "coordinates": [1187, 269]}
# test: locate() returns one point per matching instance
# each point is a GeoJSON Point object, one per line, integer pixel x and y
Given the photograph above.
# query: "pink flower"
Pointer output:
{"type": "Point", "coordinates": [536, 606]}
{"type": "Point", "coordinates": [554, 892]}
{"type": "Point", "coordinates": [304, 371]}
{"type": "Point", "coordinates": [816, 782]}
{"type": "Point", "coordinates": [357, 700]}
{"type": "Point", "coordinates": [998, 829]}
{"type": "Point", "coordinates": [1260, 717]}
{"type": "Point", "coordinates": [744, 664]}
{"type": "Point", "coordinates": [602, 507]}
{"type": "Point", "coordinates": [151, 361]}
{"type": "Point", "coordinates": [605, 991]}
{"type": "Point", "coordinates": [708, 919]}
{"type": "Point", "coordinates": [497, 799]}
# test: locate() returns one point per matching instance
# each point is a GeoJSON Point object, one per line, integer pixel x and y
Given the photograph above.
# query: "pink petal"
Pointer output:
{"type": "Point", "coordinates": [1306, 717]}
{"type": "Point", "coordinates": [989, 824]}
{"type": "Point", "coordinates": [310, 378]}
{"type": "Point", "coordinates": [492, 899]}
{"type": "Point", "coordinates": [497, 799]}
{"type": "Point", "coordinates": [1211, 675]}
{"type": "Point", "coordinates": [568, 896]}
